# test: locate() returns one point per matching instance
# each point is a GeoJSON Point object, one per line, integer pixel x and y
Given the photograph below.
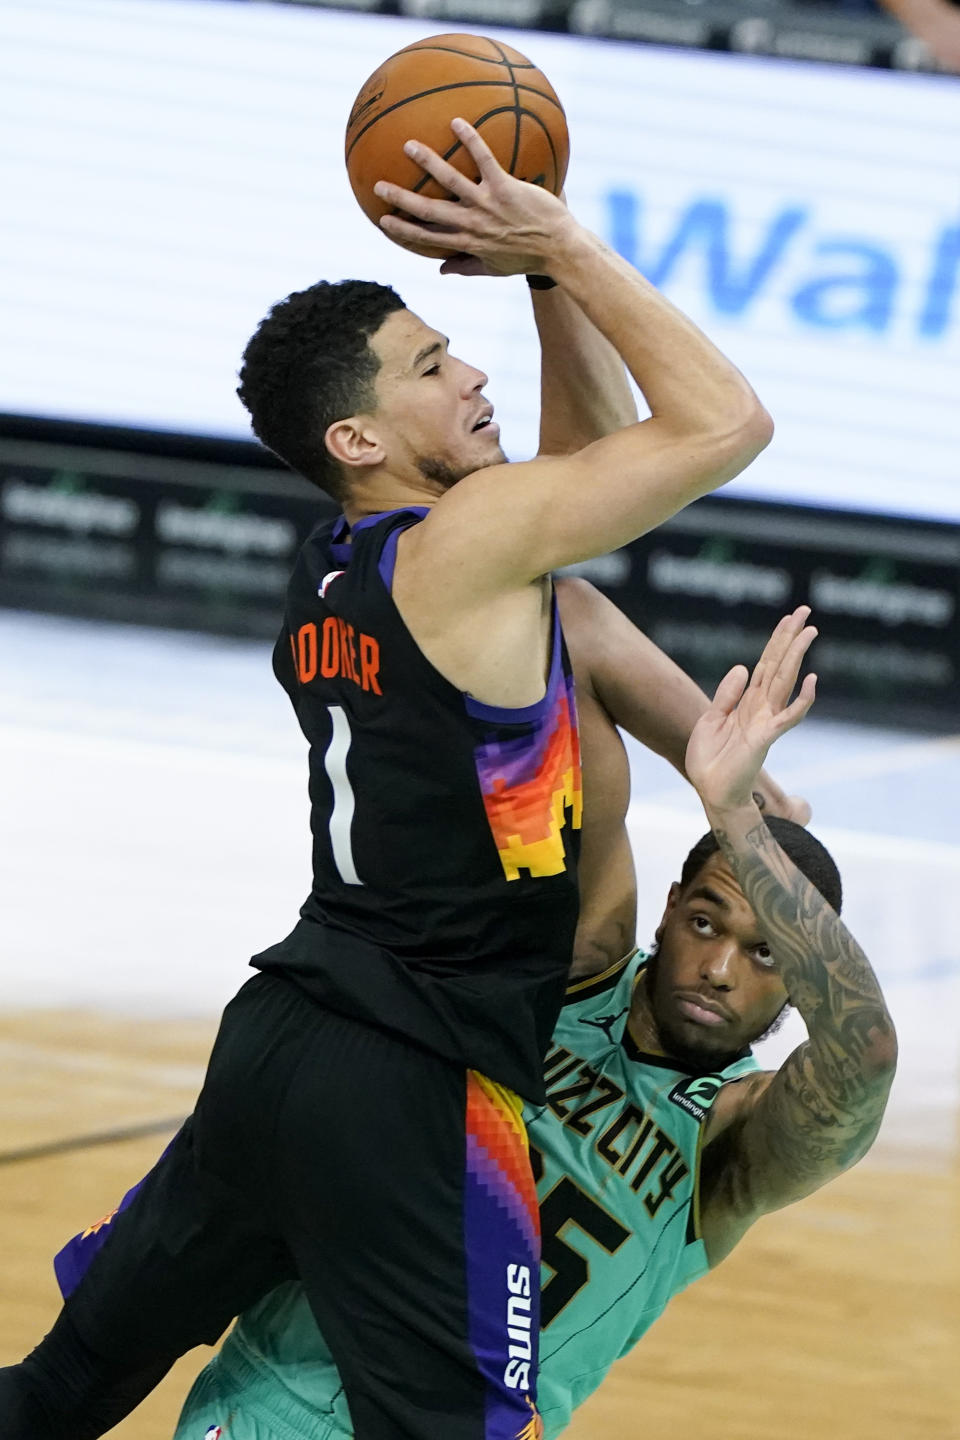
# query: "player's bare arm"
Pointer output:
{"type": "Point", "coordinates": [775, 1139]}
{"type": "Point", "coordinates": [705, 426]}
{"type": "Point", "coordinates": [584, 391]}
{"type": "Point", "coordinates": [641, 689]}
{"type": "Point", "coordinates": [623, 679]}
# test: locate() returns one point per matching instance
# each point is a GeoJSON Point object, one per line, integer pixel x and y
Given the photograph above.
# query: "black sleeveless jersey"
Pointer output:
{"type": "Point", "coordinates": [445, 831]}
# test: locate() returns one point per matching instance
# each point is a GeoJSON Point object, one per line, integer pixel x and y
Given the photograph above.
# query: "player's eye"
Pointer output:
{"type": "Point", "coordinates": [702, 926]}
{"type": "Point", "coordinates": [434, 370]}
{"type": "Point", "coordinates": [762, 953]}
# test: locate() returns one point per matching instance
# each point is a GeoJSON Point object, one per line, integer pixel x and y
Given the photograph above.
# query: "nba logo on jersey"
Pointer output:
{"type": "Point", "coordinates": [328, 580]}
{"type": "Point", "coordinates": [213, 1433]}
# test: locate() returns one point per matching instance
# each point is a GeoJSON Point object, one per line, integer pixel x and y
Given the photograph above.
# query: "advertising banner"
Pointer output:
{"type": "Point", "coordinates": [176, 167]}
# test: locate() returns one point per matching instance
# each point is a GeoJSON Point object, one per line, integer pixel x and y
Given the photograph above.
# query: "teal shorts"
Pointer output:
{"type": "Point", "coordinates": [239, 1402]}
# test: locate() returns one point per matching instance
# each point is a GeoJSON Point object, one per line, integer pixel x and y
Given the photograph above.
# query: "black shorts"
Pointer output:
{"type": "Point", "coordinates": [392, 1183]}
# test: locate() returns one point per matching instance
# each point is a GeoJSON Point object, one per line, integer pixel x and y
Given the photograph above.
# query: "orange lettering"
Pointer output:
{"type": "Point", "coordinates": [345, 632]}
{"type": "Point", "coordinates": [330, 651]}
{"type": "Point", "coordinates": [370, 663]}
{"type": "Point", "coordinates": [306, 658]}
{"type": "Point", "coordinates": [352, 655]}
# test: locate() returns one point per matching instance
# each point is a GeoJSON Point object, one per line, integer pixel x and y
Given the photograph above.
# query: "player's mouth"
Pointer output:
{"type": "Point", "coordinates": [701, 1010]}
{"type": "Point", "coordinates": [485, 422]}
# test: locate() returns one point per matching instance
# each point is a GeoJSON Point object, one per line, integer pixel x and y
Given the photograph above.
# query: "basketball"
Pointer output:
{"type": "Point", "coordinates": [417, 92]}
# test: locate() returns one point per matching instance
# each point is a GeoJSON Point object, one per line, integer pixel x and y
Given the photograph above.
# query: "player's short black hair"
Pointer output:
{"type": "Point", "coordinates": [308, 364]}
{"type": "Point", "coordinates": [811, 858]}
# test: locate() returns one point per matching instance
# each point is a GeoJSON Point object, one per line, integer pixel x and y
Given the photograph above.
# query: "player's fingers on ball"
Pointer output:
{"type": "Point", "coordinates": [415, 231]}
{"type": "Point", "coordinates": [421, 207]}
{"type": "Point", "coordinates": [464, 265]}
{"type": "Point", "coordinates": [442, 171]}
{"type": "Point", "coordinates": [478, 148]}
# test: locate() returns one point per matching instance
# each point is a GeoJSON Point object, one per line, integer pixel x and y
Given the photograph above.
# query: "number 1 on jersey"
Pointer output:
{"type": "Point", "coordinates": [341, 814]}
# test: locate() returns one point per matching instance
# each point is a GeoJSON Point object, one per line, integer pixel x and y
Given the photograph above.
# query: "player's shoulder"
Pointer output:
{"type": "Point", "coordinates": [488, 512]}
{"type": "Point", "coordinates": [586, 992]}
{"type": "Point", "coordinates": [743, 1084]}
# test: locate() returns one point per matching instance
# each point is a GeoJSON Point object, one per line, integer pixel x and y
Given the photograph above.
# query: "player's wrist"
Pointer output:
{"type": "Point", "coordinates": [567, 246]}
{"type": "Point", "coordinates": [734, 814]}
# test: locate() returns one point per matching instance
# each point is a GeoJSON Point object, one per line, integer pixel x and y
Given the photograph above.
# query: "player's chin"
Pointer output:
{"type": "Point", "coordinates": [484, 458]}
{"type": "Point", "coordinates": [702, 1048]}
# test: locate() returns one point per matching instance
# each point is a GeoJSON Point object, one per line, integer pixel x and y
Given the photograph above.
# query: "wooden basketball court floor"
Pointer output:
{"type": "Point", "coordinates": [155, 835]}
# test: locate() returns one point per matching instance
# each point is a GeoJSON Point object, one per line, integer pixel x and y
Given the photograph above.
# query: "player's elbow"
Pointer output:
{"type": "Point", "coordinates": [750, 430]}
{"type": "Point", "coordinates": [881, 1054]}
{"type": "Point", "coordinates": [735, 438]}
{"type": "Point", "coordinates": [760, 426]}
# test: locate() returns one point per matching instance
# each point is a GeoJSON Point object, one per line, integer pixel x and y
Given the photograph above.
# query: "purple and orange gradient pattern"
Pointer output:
{"type": "Point", "coordinates": [528, 785]}
{"type": "Point", "coordinates": [502, 1241]}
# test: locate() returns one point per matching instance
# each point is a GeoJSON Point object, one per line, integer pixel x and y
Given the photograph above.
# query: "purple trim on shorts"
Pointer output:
{"type": "Point", "coordinates": [502, 1241]}
{"type": "Point", "coordinates": [72, 1262]}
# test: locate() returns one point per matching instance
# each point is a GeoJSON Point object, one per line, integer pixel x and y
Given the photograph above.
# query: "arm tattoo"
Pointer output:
{"type": "Point", "coordinates": [828, 1099]}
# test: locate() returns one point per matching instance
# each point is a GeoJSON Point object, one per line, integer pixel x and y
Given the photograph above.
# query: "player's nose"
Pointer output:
{"type": "Point", "coordinates": [473, 379]}
{"type": "Point", "coordinates": [719, 964]}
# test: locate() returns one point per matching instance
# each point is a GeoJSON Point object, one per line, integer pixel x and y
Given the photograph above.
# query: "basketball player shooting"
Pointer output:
{"type": "Point", "coordinates": [662, 1140]}
{"type": "Point", "coordinates": [359, 1127]}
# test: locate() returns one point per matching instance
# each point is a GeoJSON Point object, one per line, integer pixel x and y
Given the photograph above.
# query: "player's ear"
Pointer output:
{"type": "Point", "coordinates": [673, 895]}
{"type": "Point", "coordinates": [354, 442]}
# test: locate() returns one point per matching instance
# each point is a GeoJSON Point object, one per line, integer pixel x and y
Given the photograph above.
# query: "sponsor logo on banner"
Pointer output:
{"type": "Point", "coordinates": [68, 502]}
{"type": "Point", "coordinates": [877, 594]}
{"type": "Point", "coordinates": [867, 290]}
{"type": "Point", "coordinates": [706, 646]}
{"type": "Point", "coordinates": [715, 573]}
{"type": "Point", "coordinates": [861, 665]}
{"type": "Point", "coordinates": [63, 556]}
{"type": "Point", "coordinates": [222, 524]}
{"type": "Point", "coordinates": [885, 665]}
{"type": "Point", "coordinates": [245, 575]}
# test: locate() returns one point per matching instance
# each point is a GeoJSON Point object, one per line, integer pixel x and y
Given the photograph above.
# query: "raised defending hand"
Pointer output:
{"type": "Point", "coordinates": [507, 224]}
{"type": "Point", "coordinates": [730, 741]}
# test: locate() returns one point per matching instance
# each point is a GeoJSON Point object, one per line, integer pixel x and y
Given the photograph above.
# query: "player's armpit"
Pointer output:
{"type": "Point", "coordinates": [777, 1137]}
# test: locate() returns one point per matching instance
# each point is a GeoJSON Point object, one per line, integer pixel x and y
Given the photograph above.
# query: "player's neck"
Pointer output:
{"type": "Point", "coordinates": [389, 492]}
{"type": "Point", "coordinates": [640, 1022]}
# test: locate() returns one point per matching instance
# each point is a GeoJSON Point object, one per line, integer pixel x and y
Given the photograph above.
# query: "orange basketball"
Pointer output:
{"type": "Point", "coordinates": [417, 92]}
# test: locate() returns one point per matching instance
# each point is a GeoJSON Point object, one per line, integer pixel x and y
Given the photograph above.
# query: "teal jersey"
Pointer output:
{"type": "Point", "coordinates": [616, 1156]}
{"type": "Point", "coordinates": [617, 1170]}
